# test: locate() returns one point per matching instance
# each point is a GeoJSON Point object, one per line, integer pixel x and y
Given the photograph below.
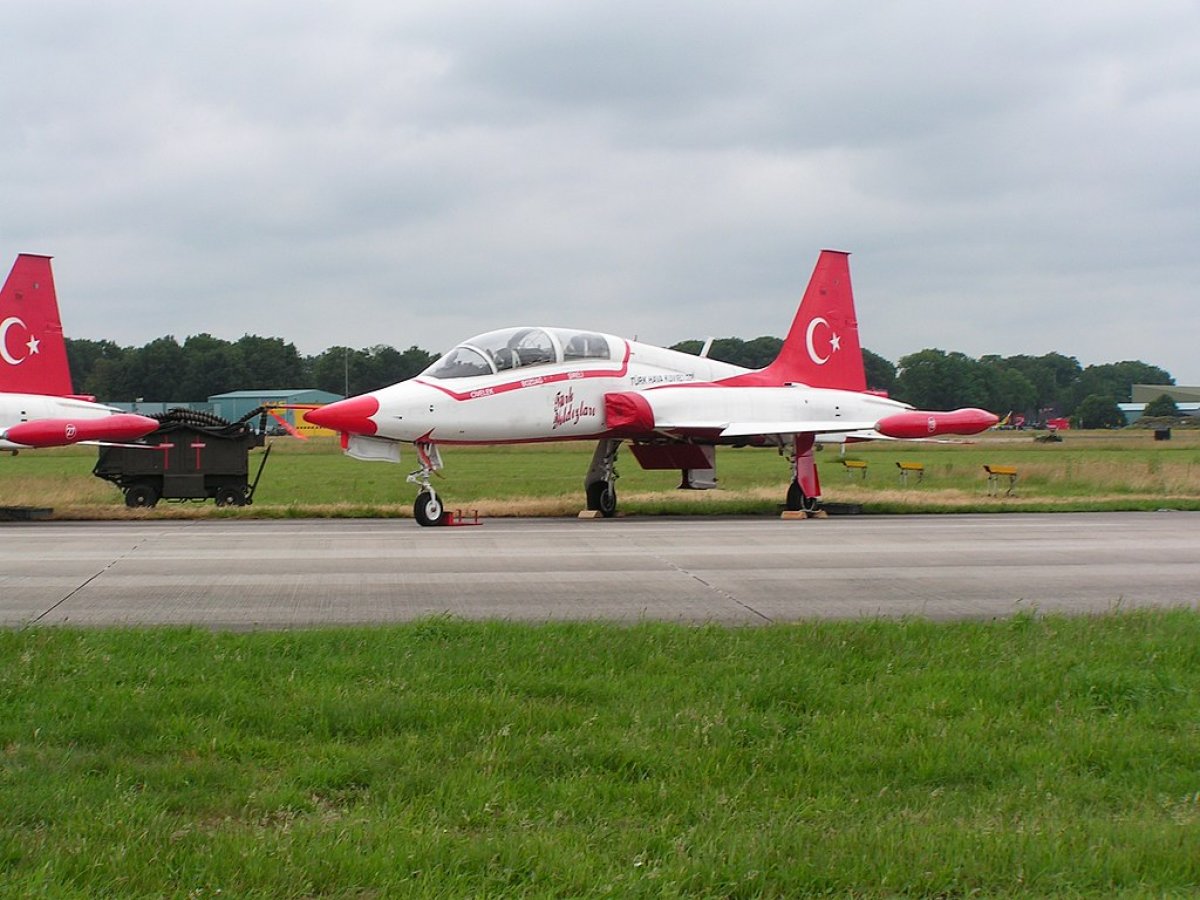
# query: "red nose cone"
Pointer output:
{"type": "Point", "coordinates": [352, 416]}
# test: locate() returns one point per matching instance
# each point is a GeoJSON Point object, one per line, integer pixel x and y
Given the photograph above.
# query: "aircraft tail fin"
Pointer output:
{"type": "Point", "coordinates": [33, 353]}
{"type": "Point", "coordinates": [822, 348]}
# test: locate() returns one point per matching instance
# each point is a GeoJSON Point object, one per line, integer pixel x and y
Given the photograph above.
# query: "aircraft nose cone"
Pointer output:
{"type": "Point", "coordinates": [351, 416]}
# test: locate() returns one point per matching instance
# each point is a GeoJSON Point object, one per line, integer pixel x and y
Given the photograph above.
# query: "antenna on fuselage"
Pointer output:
{"type": "Point", "coordinates": [707, 346]}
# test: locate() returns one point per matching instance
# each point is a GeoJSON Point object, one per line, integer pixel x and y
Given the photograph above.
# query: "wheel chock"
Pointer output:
{"type": "Point", "coordinates": [589, 514]}
{"type": "Point", "coordinates": [458, 518]}
{"type": "Point", "coordinates": [802, 514]}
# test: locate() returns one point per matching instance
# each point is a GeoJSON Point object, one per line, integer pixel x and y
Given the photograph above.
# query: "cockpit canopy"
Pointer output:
{"type": "Point", "coordinates": [520, 348]}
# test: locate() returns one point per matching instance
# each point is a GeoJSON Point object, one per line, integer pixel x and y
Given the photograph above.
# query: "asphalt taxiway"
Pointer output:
{"type": "Point", "coordinates": [302, 573]}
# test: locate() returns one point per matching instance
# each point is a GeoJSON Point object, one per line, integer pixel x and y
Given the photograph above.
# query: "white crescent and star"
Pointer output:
{"type": "Point", "coordinates": [835, 342]}
{"type": "Point", "coordinates": [31, 345]}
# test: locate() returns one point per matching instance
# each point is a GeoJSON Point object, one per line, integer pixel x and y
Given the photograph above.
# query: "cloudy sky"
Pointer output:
{"type": "Point", "coordinates": [1011, 177]}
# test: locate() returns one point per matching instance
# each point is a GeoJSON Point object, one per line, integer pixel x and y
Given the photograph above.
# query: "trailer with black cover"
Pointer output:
{"type": "Point", "coordinates": [192, 455]}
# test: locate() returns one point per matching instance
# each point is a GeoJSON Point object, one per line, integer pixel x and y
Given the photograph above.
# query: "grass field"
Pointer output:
{"type": "Point", "coordinates": [1037, 756]}
{"type": "Point", "coordinates": [1031, 756]}
{"type": "Point", "coordinates": [1089, 470]}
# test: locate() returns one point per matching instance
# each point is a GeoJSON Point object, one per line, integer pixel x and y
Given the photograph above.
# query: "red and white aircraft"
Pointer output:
{"type": "Point", "coordinates": [528, 384]}
{"type": "Point", "coordinates": [37, 406]}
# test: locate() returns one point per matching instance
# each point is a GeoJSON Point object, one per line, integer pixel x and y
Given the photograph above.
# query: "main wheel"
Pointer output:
{"type": "Point", "coordinates": [141, 496]}
{"type": "Point", "coordinates": [428, 509]}
{"type": "Point", "coordinates": [797, 499]}
{"type": "Point", "coordinates": [602, 495]}
{"type": "Point", "coordinates": [228, 495]}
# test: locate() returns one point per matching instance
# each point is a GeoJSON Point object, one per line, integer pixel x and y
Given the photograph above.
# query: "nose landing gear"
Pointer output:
{"type": "Point", "coordinates": [428, 509]}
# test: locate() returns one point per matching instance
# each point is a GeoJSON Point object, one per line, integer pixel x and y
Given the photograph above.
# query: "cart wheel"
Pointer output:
{"type": "Point", "coordinates": [230, 496]}
{"type": "Point", "coordinates": [141, 496]}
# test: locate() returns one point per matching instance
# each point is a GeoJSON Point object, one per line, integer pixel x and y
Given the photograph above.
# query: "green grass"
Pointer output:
{"type": "Point", "coordinates": [1043, 756]}
{"type": "Point", "coordinates": [1089, 470]}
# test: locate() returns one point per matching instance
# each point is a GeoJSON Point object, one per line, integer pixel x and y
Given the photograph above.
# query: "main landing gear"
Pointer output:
{"type": "Point", "coordinates": [804, 492]}
{"type": "Point", "coordinates": [428, 509]}
{"type": "Point", "coordinates": [600, 483]}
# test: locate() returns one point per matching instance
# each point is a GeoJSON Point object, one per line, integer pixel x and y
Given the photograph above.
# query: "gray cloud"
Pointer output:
{"type": "Point", "coordinates": [1011, 178]}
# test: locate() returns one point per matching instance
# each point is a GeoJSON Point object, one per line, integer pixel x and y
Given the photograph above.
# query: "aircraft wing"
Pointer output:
{"type": "Point", "coordinates": [744, 411]}
{"type": "Point", "coordinates": [751, 411]}
{"type": "Point", "coordinates": [749, 429]}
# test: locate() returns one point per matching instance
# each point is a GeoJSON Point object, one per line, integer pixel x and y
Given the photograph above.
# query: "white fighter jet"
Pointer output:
{"type": "Point", "coordinates": [37, 406]}
{"type": "Point", "coordinates": [532, 384]}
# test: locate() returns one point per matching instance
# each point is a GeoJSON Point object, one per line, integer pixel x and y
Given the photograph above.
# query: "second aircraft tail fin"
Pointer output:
{"type": "Point", "coordinates": [822, 347]}
{"type": "Point", "coordinates": [33, 353]}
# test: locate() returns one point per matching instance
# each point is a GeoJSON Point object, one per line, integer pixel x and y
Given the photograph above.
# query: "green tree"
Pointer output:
{"type": "Point", "coordinates": [760, 352]}
{"type": "Point", "coordinates": [1053, 377]}
{"type": "Point", "coordinates": [1161, 406]}
{"type": "Point", "coordinates": [1097, 411]}
{"type": "Point", "coordinates": [1117, 380]}
{"type": "Point", "coordinates": [692, 347]}
{"type": "Point", "coordinates": [753, 354]}
{"type": "Point", "coordinates": [395, 366]}
{"type": "Point", "coordinates": [268, 363]}
{"type": "Point", "coordinates": [332, 370]}
{"type": "Point", "coordinates": [935, 379]}
{"type": "Point", "coordinates": [210, 366]}
{"type": "Point", "coordinates": [1007, 389]}
{"type": "Point", "coordinates": [96, 368]}
{"type": "Point", "coordinates": [881, 374]}
{"type": "Point", "coordinates": [154, 372]}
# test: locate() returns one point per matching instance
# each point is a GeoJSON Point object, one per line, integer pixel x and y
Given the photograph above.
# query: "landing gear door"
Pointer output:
{"type": "Point", "coordinates": [372, 449]}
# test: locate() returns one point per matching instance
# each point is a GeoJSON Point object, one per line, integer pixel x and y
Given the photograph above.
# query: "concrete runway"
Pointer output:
{"type": "Point", "coordinates": [292, 574]}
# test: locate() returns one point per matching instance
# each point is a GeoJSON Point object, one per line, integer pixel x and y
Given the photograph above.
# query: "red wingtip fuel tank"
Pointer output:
{"type": "Point", "coordinates": [918, 424]}
{"type": "Point", "coordinates": [60, 432]}
{"type": "Point", "coordinates": [352, 416]}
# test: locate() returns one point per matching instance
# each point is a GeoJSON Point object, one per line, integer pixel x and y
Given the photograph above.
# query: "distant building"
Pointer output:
{"type": "Point", "coordinates": [1133, 411]}
{"type": "Point", "coordinates": [235, 404]}
{"type": "Point", "coordinates": [1187, 399]}
{"type": "Point", "coordinates": [1144, 393]}
{"type": "Point", "coordinates": [153, 409]}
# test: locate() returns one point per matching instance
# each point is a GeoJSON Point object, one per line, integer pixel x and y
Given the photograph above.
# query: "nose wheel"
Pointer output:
{"type": "Point", "coordinates": [428, 509]}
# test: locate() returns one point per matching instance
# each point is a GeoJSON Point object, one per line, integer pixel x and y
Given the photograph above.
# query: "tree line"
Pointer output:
{"type": "Point", "coordinates": [166, 370]}
{"type": "Point", "coordinates": [1037, 387]}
